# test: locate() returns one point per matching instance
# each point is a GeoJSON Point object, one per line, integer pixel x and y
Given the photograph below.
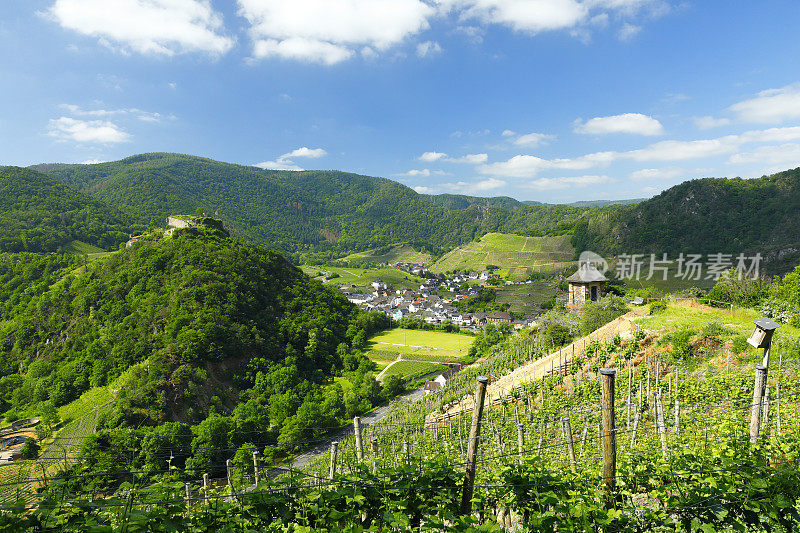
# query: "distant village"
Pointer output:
{"type": "Point", "coordinates": [428, 303]}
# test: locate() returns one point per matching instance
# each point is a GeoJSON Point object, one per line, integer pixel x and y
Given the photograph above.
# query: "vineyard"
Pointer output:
{"type": "Point", "coordinates": [648, 443]}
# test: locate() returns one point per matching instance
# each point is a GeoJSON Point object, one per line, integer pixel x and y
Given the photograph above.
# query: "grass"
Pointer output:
{"type": "Point", "coordinates": [403, 253]}
{"type": "Point", "coordinates": [514, 254]}
{"type": "Point", "coordinates": [409, 369]}
{"type": "Point", "coordinates": [360, 278]}
{"type": "Point", "coordinates": [438, 345]}
{"type": "Point", "coordinates": [87, 403]}
{"type": "Point", "coordinates": [684, 314]}
{"type": "Point", "coordinates": [80, 247]}
{"type": "Point", "coordinates": [527, 298]}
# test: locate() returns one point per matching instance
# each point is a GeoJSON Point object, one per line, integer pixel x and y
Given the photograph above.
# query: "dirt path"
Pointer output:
{"type": "Point", "coordinates": [379, 377]}
{"type": "Point", "coordinates": [541, 367]}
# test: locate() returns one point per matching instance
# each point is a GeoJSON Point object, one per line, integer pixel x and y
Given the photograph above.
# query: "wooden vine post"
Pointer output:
{"type": "Point", "coordinates": [255, 467]}
{"type": "Point", "coordinates": [520, 440]}
{"type": "Point", "coordinates": [472, 446]}
{"type": "Point", "coordinates": [334, 453]}
{"type": "Point", "coordinates": [567, 427]}
{"type": "Point", "coordinates": [357, 434]}
{"type": "Point", "coordinates": [374, 445]}
{"type": "Point", "coordinates": [755, 408]}
{"type": "Point", "coordinates": [205, 488]}
{"type": "Point", "coordinates": [609, 482]}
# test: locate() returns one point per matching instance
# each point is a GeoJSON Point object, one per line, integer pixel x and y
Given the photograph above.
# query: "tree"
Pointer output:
{"type": "Point", "coordinates": [30, 450]}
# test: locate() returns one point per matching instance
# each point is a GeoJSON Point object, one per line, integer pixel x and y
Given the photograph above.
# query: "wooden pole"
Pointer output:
{"type": "Point", "coordinates": [677, 418]}
{"type": "Point", "coordinates": [188, 488]}
{"type": "Point", "coordinates": [334, 453]}
{"type": "Point", "coordinates": [755, 408]}
{"type": "Point", "coordinates": [662, 430]}
{"type": "Point", "coordinates": [205, 488]}
{"type": "Point", "coordinates": [255, 466]}
{"type": "Point", "coordinates": [229, 471]}
{"type": "Point", "coordinates": [765, 412]}
{"type": "Point", "coordinates": [472, 446]}
{"type": "Point", "coordinates": [520, 440]}
{"type": "Point", "coordinates": [567, 427]}
{"type": "Point", "coordinates": [636, 419]}
{"type": "Point", "coordinates": [609, 441]}
{"type": "Point", "coordinates": [583, 439]}
{"type": "Point", "coordinates": [359, 445]}
{"type": "Point", "coordinates": [374, 444]}
{"type": "Point", "coordinates": [628, 408]}
{"type": "Point", "coordinates": [778, 410]}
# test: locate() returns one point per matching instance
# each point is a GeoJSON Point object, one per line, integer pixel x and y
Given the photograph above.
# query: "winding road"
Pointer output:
{"type": "Point", "coordinates": [370, 418]}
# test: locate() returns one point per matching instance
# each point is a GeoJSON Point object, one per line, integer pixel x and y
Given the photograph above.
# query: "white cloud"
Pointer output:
{"type": "Point", "coordinates": [473, 187]}
{"type": "Point", "coordinates": [528, 166]}
{"type": "Point", "coordinates": [579, 17]}
{"type": "Point", "coordinates": [145, 116]}
{"type": "Point", "coordinates": [432, 156]}
{"type": "Point", "coordinates": [531, 16]}
{"type": "Point", "coordinates": [651, 174]}
{"type": "Point", "coordinates": [285, 162]}
{"type": "Point", "coordinates": [278, 165]}
{"type": "Point", "coordinates": [771, 106]}
{"type": "Point", "coordinates": [86, 131]}
{"type": "Point", "coordinates": [635, 123]}
{"type": "Point", "coordinates": [93, 161]}
{"type": "Point", "coordinates": [708, 122]}
{"type": "Point", "coordinates": [783, 154]}
{"type": "Point", "coordinates": [162, 27]}
{"type": "Point", "coordinates": [428, 48]}
{"type": "Point", "coordinates": [472, 159]}
{"type": "Point", "coordinates": [628, 31]}
{"type": "Point", "coordinates": [531, 139]}
{"type": "Point", "coordinates": [311, 153]}
{"type": "Point", "coordinates": [549, 184]}
{"type": "Point", "coordinates": [424, 172]}
{"type": "Point", "coordinates": [421, 189]}
{"type": "Point", "coordinates": [329, 31]}
{"type": "Point", "coordinates": [301, 49]}
{"type": "Point", "coordinates": [508, 133]}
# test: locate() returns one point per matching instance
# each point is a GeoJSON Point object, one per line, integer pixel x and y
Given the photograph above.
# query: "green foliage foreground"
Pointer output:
{"type": "Point", "coordinates": [731, 487]}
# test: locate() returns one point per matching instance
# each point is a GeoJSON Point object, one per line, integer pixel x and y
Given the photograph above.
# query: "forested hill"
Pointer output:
{"type": "Point", "coordinates": [704, 216]}
{"type": "Point", "coordinates": [225, 327]}
{"type": "Point", "coordinates": [297, 211]}
{"type": "Point", "coordinates": [39, 214]}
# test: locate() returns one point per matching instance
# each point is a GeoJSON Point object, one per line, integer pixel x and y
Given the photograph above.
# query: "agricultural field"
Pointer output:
{"type": "Point", "coordinates": [411, 353]}
{"type": "Point", "coordinates": [514, 254]}
{"type": "Point", "coordinates": [419, 344]}
{"type": "Point", "coordinates": [360, 278]}
{"type": "Point", "coordinates": [528, 298]}
{"type": "Point", "coordinates": [413, 369]}
{"type": "Point", "coordinates": [403, 253]}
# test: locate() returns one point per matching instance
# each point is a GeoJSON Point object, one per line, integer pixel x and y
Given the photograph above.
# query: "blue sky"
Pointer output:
{"type": "Point", "coordinates": [549, 100]}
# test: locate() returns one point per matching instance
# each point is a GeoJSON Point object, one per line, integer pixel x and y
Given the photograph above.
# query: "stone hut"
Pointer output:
{"type": "Point", "coordinates": [586, 285]}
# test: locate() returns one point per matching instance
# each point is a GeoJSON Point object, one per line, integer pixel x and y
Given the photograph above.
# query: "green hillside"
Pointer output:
{"type": "Point", "coordinates": [404, 253]}
{"type": "Point", "coordinates": [207, 331]}
{"type": "Point", "coordinates": [727, 215]}
{"type": "Point", "coordinates": [514, 254]}
{"type": "Point", "coordinates": [39, 214]}
{"type": "Point", "coordinates": [313, 214]}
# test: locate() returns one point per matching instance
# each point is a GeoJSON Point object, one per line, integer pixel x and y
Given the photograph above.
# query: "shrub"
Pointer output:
{"type": "Point", "coordinates": [679, 341]}
{"type": "Point", "coordinates": [778, 310]}
{"type": "Point", "coordinates": [30, 450]}
{"type": "Point", "coordinates": [659, 306]}
{"type": "Point", "coordinates": [739, 344]}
